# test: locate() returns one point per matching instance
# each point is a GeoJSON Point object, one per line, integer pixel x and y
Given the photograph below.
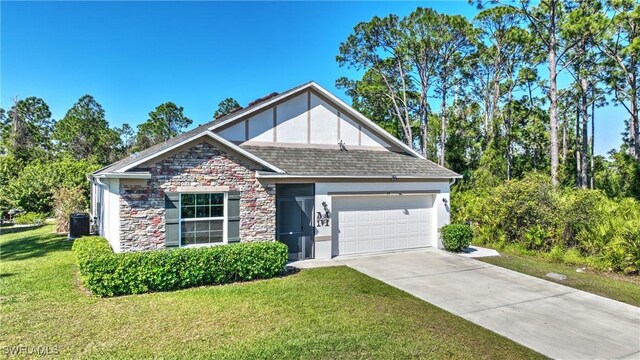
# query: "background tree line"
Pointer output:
{"type": "Point", "coordinates": [483, 98]}
{"type": "Point", "coordinates": [44, 162]}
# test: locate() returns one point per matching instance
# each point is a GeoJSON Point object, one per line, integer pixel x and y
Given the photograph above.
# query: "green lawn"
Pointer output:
{"type": "Point", "coordinates": [615, 286]}
{"type": "Point", "coordinates": [322, 313]}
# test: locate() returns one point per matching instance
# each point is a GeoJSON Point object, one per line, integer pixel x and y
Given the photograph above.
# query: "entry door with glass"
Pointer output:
{"type": "Point", "coordinates": [295, 226]}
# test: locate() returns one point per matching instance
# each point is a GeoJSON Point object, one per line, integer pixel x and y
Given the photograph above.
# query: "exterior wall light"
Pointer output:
{"type": "Point", "coordinates": [394, 178]}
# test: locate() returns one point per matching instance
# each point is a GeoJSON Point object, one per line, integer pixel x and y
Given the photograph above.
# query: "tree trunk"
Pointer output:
{"type": "Point", "coordinates": [425, 128]}
{"type": "Point", "coordinates": [553, 96]}
{"type": "Point", "coordinates": [564, 142]}
{"type": "Point", "coordinates": [508, 136]}
{"type": "Point", "coordinates": [633, 124]}
{"type": "Point", "coordinates": [593, 134]}
{"type": "Point", "coordinates": [584, 84]}
{"type": "Point", "coordinates": [443, 133]}
{"type": "Point", "coordinates": [578, 147]}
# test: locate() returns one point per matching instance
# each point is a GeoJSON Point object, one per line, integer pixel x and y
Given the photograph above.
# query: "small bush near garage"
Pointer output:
{"type": "Point", "coordinates": [456, 237]}
{"type": "Point", "coordinates": [106, 273]}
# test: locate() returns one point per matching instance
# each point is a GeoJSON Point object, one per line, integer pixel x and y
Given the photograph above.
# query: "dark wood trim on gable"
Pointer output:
{"type": "Point", "coordinates": [308, 117]}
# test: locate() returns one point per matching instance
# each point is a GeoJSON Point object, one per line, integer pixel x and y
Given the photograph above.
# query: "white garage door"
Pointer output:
{"type": "Point", "coordinates": [379, 223]}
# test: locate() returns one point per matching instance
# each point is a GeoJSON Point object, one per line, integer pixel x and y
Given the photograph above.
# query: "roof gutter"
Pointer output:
{"type": "Point", "coordinates": [130, 175]}
{"type": "Point", "coordinates": [391, 178]}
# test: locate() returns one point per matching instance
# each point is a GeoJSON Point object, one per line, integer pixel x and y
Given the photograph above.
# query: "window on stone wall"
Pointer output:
{"type": "Point", "coordinates": [201, 219]}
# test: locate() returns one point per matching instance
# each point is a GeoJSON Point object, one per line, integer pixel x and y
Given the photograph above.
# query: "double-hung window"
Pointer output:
{"type": "Point", "coordinates": [202, 219]}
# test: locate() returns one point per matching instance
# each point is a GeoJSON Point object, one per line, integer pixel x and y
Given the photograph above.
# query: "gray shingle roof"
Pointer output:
{"type": "Point", "coordinates": [333, 162]}
{"type": "Point", "coordinates": [306, 161]}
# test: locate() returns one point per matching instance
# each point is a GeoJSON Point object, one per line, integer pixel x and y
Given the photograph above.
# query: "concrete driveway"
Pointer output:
{"type": "Point", "coordinates": [555, 320]}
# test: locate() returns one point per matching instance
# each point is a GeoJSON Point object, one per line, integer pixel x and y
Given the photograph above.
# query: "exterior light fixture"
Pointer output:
{"type": "Point", "coordinates": [445, 201]}
{"type": "Point", "coordinates": [394, 178]}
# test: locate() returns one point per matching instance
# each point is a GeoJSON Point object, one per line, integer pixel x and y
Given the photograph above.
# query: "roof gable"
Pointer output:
{"type": "Point", "coordinates": [132, 162]}
{"type": "Point", "coordinates": [349, 126]}
{"type": "Point", "coordinates": [306, 115]}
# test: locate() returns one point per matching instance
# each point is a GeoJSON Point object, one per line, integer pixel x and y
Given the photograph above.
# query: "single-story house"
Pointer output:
{"type": "Point", "coordinates": [301, 167]}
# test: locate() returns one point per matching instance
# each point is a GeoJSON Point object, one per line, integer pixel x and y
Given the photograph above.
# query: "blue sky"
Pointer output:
{"type": "Point", "coordinates": [134, 56]}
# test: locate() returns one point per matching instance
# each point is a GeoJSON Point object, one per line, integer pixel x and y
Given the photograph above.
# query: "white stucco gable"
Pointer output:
{"type": "Point", "coordinates": [310, 116]}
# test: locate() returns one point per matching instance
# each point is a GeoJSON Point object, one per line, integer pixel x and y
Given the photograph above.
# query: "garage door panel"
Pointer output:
{"type": "Point", "coordinates": [389, 229]}
{"type": "Point", "coordinates": [349, 231]}
{"type": "Point", "coordinates": [363, 216]}
{"type": "Point", "coordinates": [364, 230]}
{"type": "Point", "coordinates": [378, 223]}
{"type": "Point", "coordinates": [377, 229]}
{"type": "Point", "coordinates": [378, 215]}
{"type": "Point", "coordinates": [377, 244]}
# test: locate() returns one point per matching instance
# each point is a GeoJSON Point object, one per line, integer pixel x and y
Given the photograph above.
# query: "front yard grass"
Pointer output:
{"type": "Point", "coordinates": [321, 313]}
{"type": "Point", "coordinates": [625, 288]}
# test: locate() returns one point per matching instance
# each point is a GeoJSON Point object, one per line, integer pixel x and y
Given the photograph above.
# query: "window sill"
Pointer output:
{"type": "Point", "coordinates": [202, 245]}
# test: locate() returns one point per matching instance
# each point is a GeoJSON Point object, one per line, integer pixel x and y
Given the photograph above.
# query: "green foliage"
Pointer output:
{"type": "Point", "coordinates": [84, 133]}
{"type": "Point", "coordinates": [33, 189]}
{"type": "Point", "coordinates": [456, 237]}
{"type": "Point", "coordinates": [519, 206]}
{"type": "Point", "coordinates": [619, 175]}
{"type": "Point", "coordinates": [25, 131]}
{"type": "Point", "coordinates": [165, 121]}
{"type": "Point", "coordinates": [109, 274]}
{"type": "Point", "coordinates": [575, 226]}
{"type": "Point", "coordinates": [30, 218]}
{"type": "Point", "coordinates": [225, 107]}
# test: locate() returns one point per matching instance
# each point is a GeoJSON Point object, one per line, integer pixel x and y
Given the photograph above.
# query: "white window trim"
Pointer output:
{"type": "Point", "coordinates": [224, 219]}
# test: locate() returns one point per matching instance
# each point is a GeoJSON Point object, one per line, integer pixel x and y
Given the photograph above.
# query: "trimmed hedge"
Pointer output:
{"type": "Point", "coordinates": [106, 273]}
{"type": "Point", "coordinates": [456, 237]}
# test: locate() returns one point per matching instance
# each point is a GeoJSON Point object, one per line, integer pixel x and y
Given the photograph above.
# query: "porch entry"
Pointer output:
{"type": "Point", "coordinates": [294, 219]}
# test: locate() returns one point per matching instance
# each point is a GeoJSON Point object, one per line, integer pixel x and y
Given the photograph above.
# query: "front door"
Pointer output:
{"type": "Point", "coordinates": [295, 226]}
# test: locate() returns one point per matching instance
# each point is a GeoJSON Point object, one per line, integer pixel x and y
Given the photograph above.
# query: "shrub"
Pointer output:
{"type": "Point", "coordinates": [33, 189]}
{"type": "Point", "coordinates": [557, 253]}
{"type": "Point", "coordinates": [527, 216]}
{"type": "Point", "coordinates": [456, 237]}
{"type": "Point", "coordinates": [519, 206]}
{"type": "Point", "coordinates": [30, 218]}
{"type": "Point", "coordinates": [108, 274]}
{"type": "Point", "coordinates": [67, 200]}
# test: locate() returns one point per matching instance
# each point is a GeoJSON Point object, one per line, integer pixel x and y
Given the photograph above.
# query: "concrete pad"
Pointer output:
{"type": "Point", "coordinates": [478, 252]}
{"type": "Point", "coordinates": [408, 265]}
{"type": "Point", "coordinates": [553, 319]}
{"type": "Point", "coordinates": [577, 325]}
{"type": "Point", "coordinates": [483, 288]}
{"type": "Point", "coordinates": [312, 263]}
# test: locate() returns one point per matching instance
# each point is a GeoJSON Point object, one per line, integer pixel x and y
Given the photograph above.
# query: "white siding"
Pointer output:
{"type": "Point", "coordinates": [324, 122]}
{"type": "Point", "coordinates": [304, 119]}
{"type": "Point", "coordinates": [349, 131]}
{"type": "Point", "coordinates": [235, 132]}
{"type": "Point", "coordinates": [109, 211]}
{"type": "Point", "coordinates": [292, 120]}
{"type": "Point", "coordinates": [368, 139]}
{"type": "Point", "coordinates": [261, 126]}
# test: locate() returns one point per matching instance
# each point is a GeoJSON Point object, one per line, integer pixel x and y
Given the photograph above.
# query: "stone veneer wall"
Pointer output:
{"type": "Point", "coordinates": [142, 206]}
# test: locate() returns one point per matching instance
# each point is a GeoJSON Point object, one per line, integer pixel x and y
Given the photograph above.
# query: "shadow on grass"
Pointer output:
{"type": "Point", "coordinates": [33, 246]}
{"type": "Point", "coordinates": [18, 229]}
